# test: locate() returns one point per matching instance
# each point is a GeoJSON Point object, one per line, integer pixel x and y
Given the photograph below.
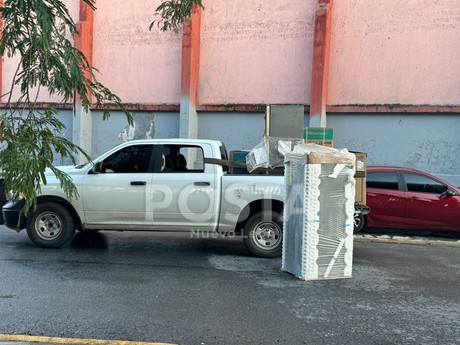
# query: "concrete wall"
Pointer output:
{"type": "Point", "coordinates": [395, 52]}
{"type": "Point", "coordinates": [66, 117]}
{"type": "Point", "coordinates": [115, 130]}
{"type": "Point", "coordinates": [384, 52]}
{"type": "Point", "coordinates": [219, 126]}
{"type": "Point", "coordinates": [240, 131]}
{"type": "Point", "coordinates": [256, 52]}
{"type": "Point", "coordinates": [429, 142]}
{"type": "Point", "coordinates": [139, 65]}
{"type": "Point", "coordinates": [9, 67]}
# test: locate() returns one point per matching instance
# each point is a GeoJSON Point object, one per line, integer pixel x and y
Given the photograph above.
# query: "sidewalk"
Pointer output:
{"type": "Point", "coordinates": [419, 240]}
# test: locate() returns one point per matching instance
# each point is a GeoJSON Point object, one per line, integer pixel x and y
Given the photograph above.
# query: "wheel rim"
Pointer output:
{"type": "Point", "coordinates": [267, 235]}
{"type": "Point", "coordinates": [357, 220]}
{"type": "Point", "coordinates": [48, 226]}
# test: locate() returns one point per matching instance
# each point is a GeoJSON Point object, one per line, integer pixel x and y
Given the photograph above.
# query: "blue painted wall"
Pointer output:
{"type": "Point", "coordinates": [107, 134]}
{"type": "Point", "coordinates": [429, 142]}
{"type": "Point", "coordinates": [236, 130]}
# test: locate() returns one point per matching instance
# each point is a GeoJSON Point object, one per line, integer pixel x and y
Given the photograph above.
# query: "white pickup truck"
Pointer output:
{"type": "Point", "coordinates": [158, 185]}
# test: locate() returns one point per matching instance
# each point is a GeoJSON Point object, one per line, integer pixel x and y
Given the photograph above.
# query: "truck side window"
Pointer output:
{"type": "Point", "coordinates": [131, 159]}
{"type": "Point", "coordinates": [179, 158]}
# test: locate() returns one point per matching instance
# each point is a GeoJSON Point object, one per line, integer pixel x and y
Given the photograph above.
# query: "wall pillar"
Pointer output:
{"type": "Point", "coordinates": [188, 126]}
{"type": "Point", "coordinates": [1, 60]}
{"type": "Point", "coordinates": [82, 121]}
{"type": "Point", "coordinates": [320, 69]}
{"type": "Point", "coordinates": [1, 74]}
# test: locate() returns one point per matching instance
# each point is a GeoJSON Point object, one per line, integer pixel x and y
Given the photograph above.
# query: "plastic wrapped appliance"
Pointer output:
{"type": "Point", "coordinates": [318, 212]}
{"type": "Point", "coordinates": [270, 152]}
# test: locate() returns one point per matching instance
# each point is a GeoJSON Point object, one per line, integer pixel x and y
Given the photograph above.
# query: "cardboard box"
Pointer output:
{"type": "Point", "coordinates": [361, 164]}
{"type": "Point", "coordinates": [360, 190]}
{"type": "Point", "coordinates": [360, 177]}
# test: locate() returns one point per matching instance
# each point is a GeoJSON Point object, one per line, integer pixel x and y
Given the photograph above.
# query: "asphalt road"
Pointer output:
{"type": "Point", "coordinates": [171, 288]}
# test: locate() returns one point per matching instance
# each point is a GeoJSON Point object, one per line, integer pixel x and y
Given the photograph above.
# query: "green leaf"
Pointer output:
{"type": "Point", "coordinates": [38, 33]}
{"type": "Point", "coordinates": [172, 13]}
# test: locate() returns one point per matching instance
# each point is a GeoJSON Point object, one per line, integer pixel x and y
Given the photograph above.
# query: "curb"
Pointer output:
{"type": "Point", "coordinates": [406, 240]}
{"type": "Point", "coordinates": [17, 339]}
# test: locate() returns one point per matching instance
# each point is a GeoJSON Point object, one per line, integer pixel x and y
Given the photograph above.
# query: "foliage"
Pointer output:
{"type": "Point", "coordinates": [172, 13]}
{"type": "Point", "coordinates": [39, 33]}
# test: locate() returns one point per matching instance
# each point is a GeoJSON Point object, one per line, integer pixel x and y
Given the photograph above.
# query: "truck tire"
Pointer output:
{"type": "Point", "coordinates": [50, 226]}
{"type": "Point", "coordinates": [263, 234]}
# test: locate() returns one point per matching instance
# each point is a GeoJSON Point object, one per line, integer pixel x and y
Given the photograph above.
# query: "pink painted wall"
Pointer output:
{"type": "Point", "coordinates": [139, 65]}
{"type": "Point", "coordinates": [10, 65]}
{"type": "Point", "coordinates": [390, 52]}
{"type": "Point", "coordinates": [256, 51]}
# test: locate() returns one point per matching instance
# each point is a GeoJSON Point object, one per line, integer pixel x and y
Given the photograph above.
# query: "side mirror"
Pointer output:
{"type": "Point", "coordinates": [449, 193]}
{"type": "Point", "coordinates": [97, 168]}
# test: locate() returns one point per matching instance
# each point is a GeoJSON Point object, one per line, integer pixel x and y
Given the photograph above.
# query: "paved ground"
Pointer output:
{"type": "Point", "coordinates": [171, 288]}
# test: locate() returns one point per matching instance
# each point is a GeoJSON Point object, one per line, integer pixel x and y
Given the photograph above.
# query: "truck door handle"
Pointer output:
{"type": "Point", "coordinates": [138, 183]}
{"type": "Point", "coordinates": [202, 183]}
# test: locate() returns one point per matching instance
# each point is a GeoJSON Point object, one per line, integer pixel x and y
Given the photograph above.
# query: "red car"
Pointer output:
{"type": "Point", "coordinates": [406, 198]}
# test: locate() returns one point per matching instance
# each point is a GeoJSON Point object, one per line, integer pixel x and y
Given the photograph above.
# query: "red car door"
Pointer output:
{"type": "Point", "coordinates": [386, 200]}
{"type": "Point", "coordinates": [426, 205]}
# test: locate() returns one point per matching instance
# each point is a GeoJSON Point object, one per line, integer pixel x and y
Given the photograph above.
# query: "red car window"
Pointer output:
{"type": "Point", "coordinates": [382, 180]}
{"type": "Point", "coordinates": [423, 184]}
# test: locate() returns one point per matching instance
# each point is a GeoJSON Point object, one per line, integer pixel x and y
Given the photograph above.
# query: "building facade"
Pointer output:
{"type": "Point", "coordinates": [384, 75]}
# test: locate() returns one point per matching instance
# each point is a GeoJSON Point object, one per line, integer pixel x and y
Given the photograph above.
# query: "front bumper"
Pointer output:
{"type": "Point", "coordinates": [13, 216]}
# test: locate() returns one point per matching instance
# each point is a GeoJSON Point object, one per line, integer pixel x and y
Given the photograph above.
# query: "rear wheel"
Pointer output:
{"type": "Point", "coordinates": [50, 225]}
{"type": "Point", "coordinates": [264, 234]}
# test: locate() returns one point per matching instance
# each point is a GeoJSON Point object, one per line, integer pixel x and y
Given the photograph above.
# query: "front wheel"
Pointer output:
{"type": "Point", "coordinates": [359, 222]}
{"type": "Point", "coordinates": [50, 225]}
{"type": "Point", "coordinates": [264, 234]}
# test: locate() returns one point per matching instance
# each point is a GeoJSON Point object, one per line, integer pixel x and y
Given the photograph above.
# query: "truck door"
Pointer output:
{"type": "Point", "coordinates": [185, 190]}
{"type": "Point", "coordinates": [118, 197]}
